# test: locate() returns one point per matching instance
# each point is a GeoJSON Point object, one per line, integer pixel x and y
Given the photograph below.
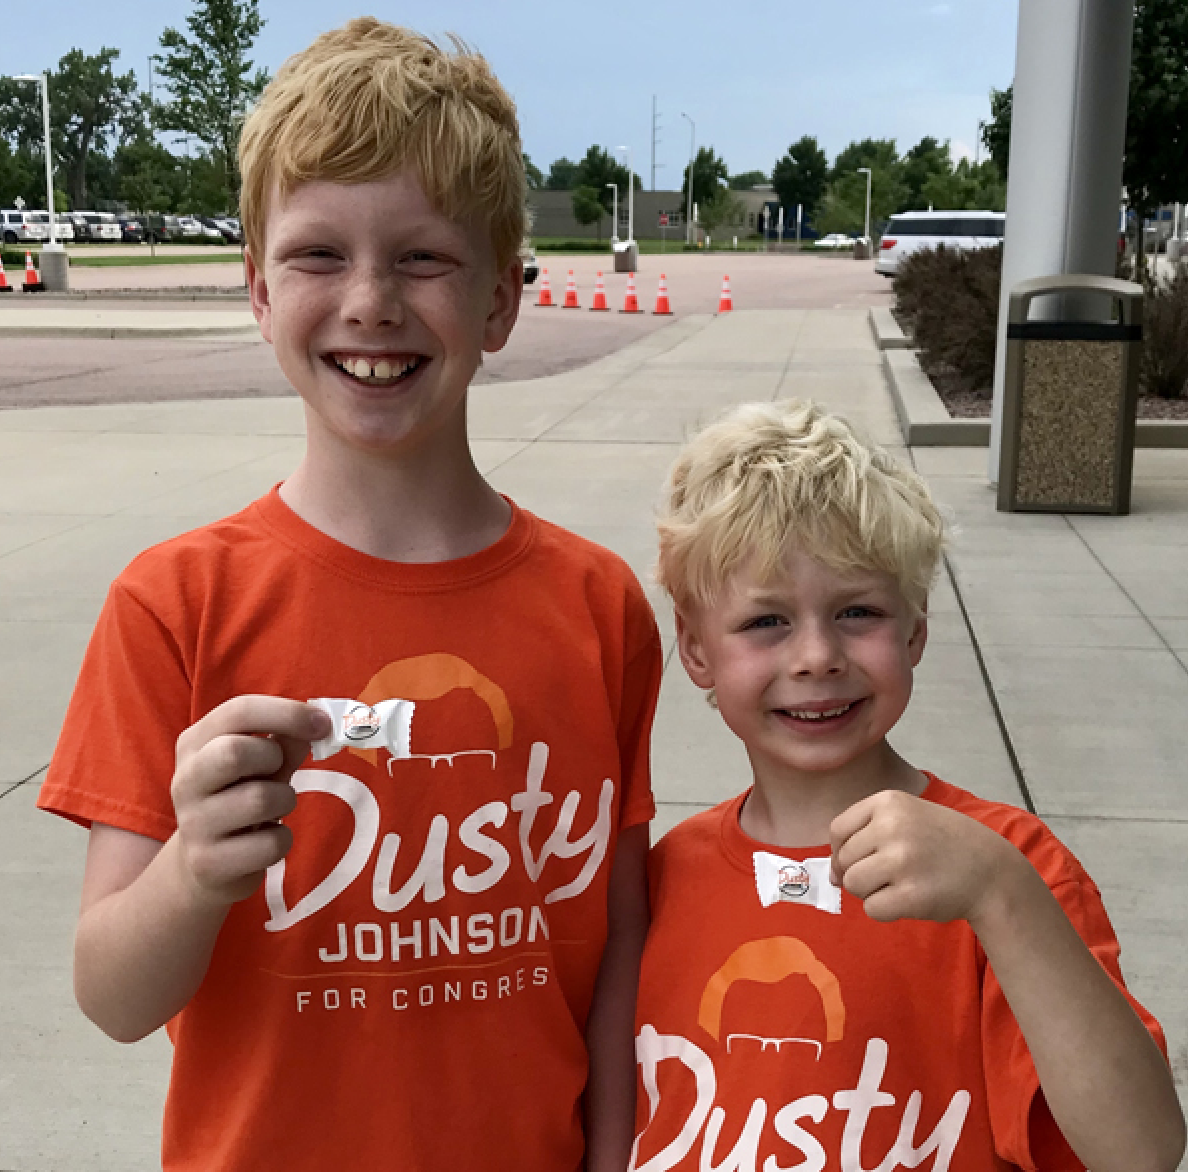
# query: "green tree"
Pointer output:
{"type": "Point", "coordinates": [532, 174]}
{"type": "Point", "coordinates": [21, 174]}
{"type": "Point", "coordinates": [801, 175]}
{"type": "Point", "coordinates": [149, 178]}
{"type": "Point", "coordinates": [747, 181]}
{"type": "Point", "coordinates": [1157, 118]}
{"type": "Point", "coordinates": [212, 82]}
{"type": "Point", "coordinates": [709, 176]}
{"type": "Point", "coordinates": [89, 106]}
{"type": "Point", "coordinates": [843, 208]}
{"type": "Point", "coordinates": [996, 134]}
{"type": "Point", "coordinates": [587, 207]}
{"type": "Point", "coordinates": [720, 208]}
{"type": "Point", "coordinates": [561, 175]}
{"type": "Point", "coordinates": [598, 168]}
{"type": "Point", "coordinates": [966, 187]}
{"type": "Point", "coordinates": [928, 164]}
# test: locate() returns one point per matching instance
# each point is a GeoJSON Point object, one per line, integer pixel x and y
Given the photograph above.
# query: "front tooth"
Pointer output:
{"type": "Point", "coordinates": [383, 369]}
{"type": "Point", "coordinates": [362, 368]}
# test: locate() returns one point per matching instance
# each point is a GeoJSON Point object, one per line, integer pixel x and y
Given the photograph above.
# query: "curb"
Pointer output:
{"type": "Point", "coordinates": [181, 293]}
{"type": "Point", "coordinates": [886, 330]}
{"type": "Point", "coordinates": [923, 417]}
{"type": "Point", "coordinates": [99, 331]}
{"type": "Point", "coordinates": [925, 421]}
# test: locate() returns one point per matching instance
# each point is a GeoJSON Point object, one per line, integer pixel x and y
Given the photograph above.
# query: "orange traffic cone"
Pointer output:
{"type": "Point", "coordinates": [631, 300]}
{"type": "Point", "coordinates": [663, 309]}
{"type": "Point", "coordinates": [32, 276]}
{"type": "Point", "coordinates": [599, 294]}
{"type": "Point", "coordinates": [546, 293]}
{"type": "Point", "coordinates": [5, 287]}
{"type": "Point", "coordinates": [571, 301]}
{"type": "Point", "coordinates": [725, 304]}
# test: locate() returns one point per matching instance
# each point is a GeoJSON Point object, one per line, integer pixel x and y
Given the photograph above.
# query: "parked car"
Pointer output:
{"type": "Point", "coordinates": [909, 231]}
{"type": "Point", "coordinates": [160, 228]}
{"type": "Point", "coordinates": [63, 229]}
{"type": "Point", "coordinates": [131, 229]}
{"type": "Point", "coordinates": [20, 228]}
{"type": "Point", "coordinates": [834, 240]}
{"type": "Point", "coordinates": [228, 230]}
{"type": "Point", "coordinates": [95, 226]}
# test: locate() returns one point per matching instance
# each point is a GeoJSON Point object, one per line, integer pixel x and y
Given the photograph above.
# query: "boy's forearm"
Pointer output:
{"type": "Point", "coordinates": [141, 952]}
{"type": "Point", "coordinates": [1104, 1078]}
{"type": "Point", "coordinates": [610, 1091]}
{"type": "Point", "coordinates": [610, 1028]}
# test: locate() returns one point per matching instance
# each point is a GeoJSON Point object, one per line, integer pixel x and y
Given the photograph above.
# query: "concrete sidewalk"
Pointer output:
{"type": "Point", "coordinates": [50, 320]}
{"type": "Point", "coordinates": [1056, 673]}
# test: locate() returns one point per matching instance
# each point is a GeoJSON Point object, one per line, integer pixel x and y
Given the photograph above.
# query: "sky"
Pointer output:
{"type": "Point", "coordinates": [753, 78]}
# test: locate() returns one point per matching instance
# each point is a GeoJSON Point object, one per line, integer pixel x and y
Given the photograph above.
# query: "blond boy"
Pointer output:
{"type": "Point", "coordinates": [854, 965]}
{"type": "Point", "coordinates": [417, 950]}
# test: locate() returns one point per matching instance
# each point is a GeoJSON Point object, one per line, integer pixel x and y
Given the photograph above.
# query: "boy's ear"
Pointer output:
{"type": "Point", "coordinates": [918, 638]}
{"type": "Point", "coordinates": [692, 653]}
{"type": "Point", "coordinates": [505, 307]}
{"type": "Point", "coordinates": [258, 295]}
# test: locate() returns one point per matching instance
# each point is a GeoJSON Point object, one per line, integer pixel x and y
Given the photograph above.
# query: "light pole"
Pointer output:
{"type": "Point", "coordinates": [630, 198]}
{"type": "Point", "coordinates": [43, 79]}
{"type": "Point", "coordinates": [615, 214]}
{"type": "Point", "coordinates": [692, 148]}
{"type": "Point", "coordinates": [866, 171]}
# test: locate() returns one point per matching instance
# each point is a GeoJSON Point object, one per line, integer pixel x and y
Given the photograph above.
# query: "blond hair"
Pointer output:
{"type": "Point", "coordinates": [365, 100]}
{"type": "Point", "coordinates": [769, 477]}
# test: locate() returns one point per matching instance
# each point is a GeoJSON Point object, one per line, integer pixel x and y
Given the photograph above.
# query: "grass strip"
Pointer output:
{"type": "Point", "coordinates": [116, 262]}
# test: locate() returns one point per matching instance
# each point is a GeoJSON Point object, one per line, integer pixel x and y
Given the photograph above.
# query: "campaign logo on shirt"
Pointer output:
{"type": "Point", "coordinates": [741, 1096]}
{"type": "Point", "coordinates": [453, 908]}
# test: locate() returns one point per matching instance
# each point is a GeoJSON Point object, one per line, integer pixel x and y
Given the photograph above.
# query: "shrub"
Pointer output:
{"type": "Point", "coordinates": [950, 299]}
{"type": "Point", "coordinates": [1165, 336]}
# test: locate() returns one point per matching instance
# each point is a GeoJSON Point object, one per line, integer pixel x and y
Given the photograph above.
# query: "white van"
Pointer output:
{"type": "Point", "coordinates": [19, 227]}
{"type": "Point", "coordinates": [909, 231]}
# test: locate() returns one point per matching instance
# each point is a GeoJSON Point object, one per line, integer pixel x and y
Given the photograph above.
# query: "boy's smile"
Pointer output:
{"type": "Point", "coordinates": [379, 309]}
{"type": "Point", "coordinates": [810, 669]}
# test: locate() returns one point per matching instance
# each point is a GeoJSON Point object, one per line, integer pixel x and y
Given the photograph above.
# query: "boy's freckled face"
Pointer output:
{"type": "Point", "coordinates": [811, 669]}
{"type": "Point", "coordinates": [379, 308]}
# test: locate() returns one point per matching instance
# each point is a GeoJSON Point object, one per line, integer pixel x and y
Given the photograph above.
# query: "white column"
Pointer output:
{"type": "Point", "coordinates": [1068, 129]}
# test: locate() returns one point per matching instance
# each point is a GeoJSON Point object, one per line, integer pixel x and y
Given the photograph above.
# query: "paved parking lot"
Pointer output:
{"type": "Point", "coordinates": [545, 342]}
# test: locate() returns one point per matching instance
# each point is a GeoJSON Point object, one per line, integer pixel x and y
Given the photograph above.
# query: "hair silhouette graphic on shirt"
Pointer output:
{"type": "Point", "coordinates": [769, 961]}
{"type": "Point", "coordinates": [430, 677]}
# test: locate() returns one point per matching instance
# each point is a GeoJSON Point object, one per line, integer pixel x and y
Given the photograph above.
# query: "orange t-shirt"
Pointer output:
{"type": "Point", "coordinates": [794, 1036]}
{"type": "Point", "coordinates": [409, 989]}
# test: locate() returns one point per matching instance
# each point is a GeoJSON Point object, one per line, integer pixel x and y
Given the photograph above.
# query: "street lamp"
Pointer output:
{"type": "Point", "coordinates": [866, 171]}
{"type": "Point", "coordinates": [630, 197]}
{"type": "Point", "coordinates": [692, 147]}
{"type": "Point", "coordinates": [43, 79]}
{"type": "Point", "coordinates": [615, 214]}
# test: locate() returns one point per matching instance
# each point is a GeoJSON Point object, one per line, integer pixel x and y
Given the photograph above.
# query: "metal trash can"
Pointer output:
{"type": "Point", "coordinates": [626, 256]}
{"type": "Point", "coordinates": [1070, 402]}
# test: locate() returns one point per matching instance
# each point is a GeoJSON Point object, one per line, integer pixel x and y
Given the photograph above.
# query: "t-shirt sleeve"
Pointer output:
{"type": "Point", "coordinates": [114, 759]}
{"type": "Point", "coordinates": [641, 687]}
{"type": "Point", "coordinates": [1024, 1131]}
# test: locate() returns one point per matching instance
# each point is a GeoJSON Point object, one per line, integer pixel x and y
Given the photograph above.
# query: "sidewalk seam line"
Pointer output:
{"type": "Point", "coordinates": [1003, 731]}
{"type": "Point", "coordinates": [1126, 594]}
{"type": "Point", "coordinates": [24, 781]}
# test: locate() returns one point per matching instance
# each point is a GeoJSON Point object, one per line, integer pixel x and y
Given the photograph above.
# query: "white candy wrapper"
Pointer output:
{"type": "Point", "coordinates": [386, 725]}
{"type": "Point", "coordinates": [780, 880]}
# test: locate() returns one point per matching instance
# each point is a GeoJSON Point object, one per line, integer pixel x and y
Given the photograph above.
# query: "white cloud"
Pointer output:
{"type": "Point", "coordinates": [941, 9]}
{"type": "Point", "coordinates": [960, 150]}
